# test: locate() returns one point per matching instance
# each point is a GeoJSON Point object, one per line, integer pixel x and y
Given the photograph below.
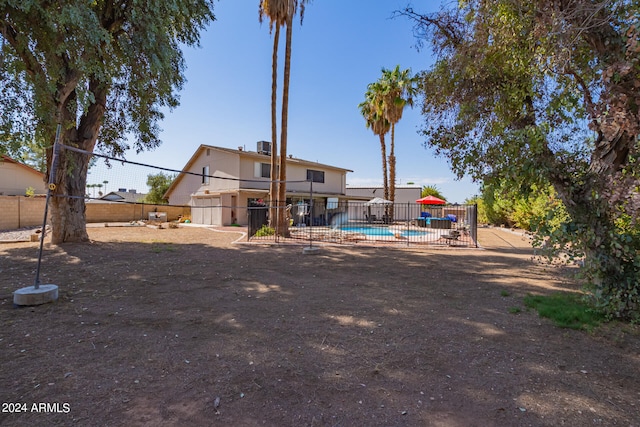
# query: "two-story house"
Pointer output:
{"type": "Point", "coordinates": [220, 183]}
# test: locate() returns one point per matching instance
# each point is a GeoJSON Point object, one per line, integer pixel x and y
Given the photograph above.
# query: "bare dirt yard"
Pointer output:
{"type": "Point", "coordinates": [182, 327]}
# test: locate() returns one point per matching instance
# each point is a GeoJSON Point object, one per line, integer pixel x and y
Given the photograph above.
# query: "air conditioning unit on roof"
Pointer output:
{"type": "Point", "coordinates": [264, 147]}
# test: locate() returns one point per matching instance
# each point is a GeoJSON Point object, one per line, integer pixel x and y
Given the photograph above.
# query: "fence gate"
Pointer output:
{"type": "Point", "coordinates": [257, 217]}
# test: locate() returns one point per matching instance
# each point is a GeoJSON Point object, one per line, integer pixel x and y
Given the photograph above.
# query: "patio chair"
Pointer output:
{"type": "Point", "coordinates": [451, 238]}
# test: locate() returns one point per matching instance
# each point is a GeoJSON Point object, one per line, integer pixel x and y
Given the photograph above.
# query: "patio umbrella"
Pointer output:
{"type": "Point", "coordinates": [431, 200]}
{"type": "Point", "coordinates": [378, 201]}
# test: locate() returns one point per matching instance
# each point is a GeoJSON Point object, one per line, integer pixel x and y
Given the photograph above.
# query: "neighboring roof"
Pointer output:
{"type": "Point", "coordinates": [123, 196]}
{"type": "Point", "coordinates": [22, 165]}
{"type": "Point", "coordinates": [251, 154]}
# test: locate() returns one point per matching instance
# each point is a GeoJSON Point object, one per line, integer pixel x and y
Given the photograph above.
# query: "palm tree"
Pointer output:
{"type": "Point", "coordinates": [432, 190]}
{"type": "Point", "coordinates": [281, 12]}
{"type": "Point", "coordinates": [93, 186]}
{"type": "Point", "coordinates": [276, 12]}
{"type": "Point", "coordinates": [399, 88]}
{"type": "Point", "coordinates": [371, 110]}
{"type": "Point", "coordinates": [105, 186]}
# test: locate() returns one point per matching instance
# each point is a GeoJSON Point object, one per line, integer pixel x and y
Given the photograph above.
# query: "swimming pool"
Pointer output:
{"type": "Point", "coordinates": [382, 231]}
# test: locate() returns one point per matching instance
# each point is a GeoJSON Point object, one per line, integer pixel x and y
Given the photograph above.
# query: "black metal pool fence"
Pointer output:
{"type": "Point", "coordinates": [351, 222]}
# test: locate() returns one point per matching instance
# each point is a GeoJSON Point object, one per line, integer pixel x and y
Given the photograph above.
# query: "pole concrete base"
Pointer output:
{"type": "Point", "coordinates": [310, 250]}
{"type": "Point", "coordinates": [33, 296]}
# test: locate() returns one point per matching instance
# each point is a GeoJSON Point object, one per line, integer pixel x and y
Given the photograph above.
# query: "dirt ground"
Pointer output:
{"type": "Point", "coordinates": [182, 327]}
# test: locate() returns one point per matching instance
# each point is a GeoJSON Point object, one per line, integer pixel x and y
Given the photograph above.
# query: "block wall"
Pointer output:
{"type": "Point", "coordinates": [19, 212]}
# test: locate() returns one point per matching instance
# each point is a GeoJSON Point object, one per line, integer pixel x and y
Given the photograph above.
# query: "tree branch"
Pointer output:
{"type": "Point", "coordinates": [32, 66]}
{"type": "Point", "coordinates": [588, 99]}
{"type": "Point", "coordinates": [91, 120]}
{"type": "Point", "coordinates": [445, 27]}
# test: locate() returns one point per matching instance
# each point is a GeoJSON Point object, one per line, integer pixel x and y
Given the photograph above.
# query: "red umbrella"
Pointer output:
{"type": "Point", "coordinates": [431, 200]}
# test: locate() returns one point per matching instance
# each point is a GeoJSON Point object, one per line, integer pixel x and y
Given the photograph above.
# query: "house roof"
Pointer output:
{"type": "Point", "coordinates": [250, 154]}
{"type": "Point", "coordinates": [123, 196]}
{"type": "Point", "coordinates": [21, 165]}
{"type": "Point", "coordinates": [290, 159]}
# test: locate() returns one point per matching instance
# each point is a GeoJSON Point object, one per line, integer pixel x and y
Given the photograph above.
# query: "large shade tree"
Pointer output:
{"type": "Point", "coordinates": [101, 69]}
{"type": "Point", "coordinates": [158, 185]}
{"type": "Point", "coordinates": [547, 92]}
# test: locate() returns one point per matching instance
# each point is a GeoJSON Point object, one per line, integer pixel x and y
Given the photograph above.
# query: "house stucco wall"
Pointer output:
{"type": "Point", "coordinates": [15, 179]}
{"type": "Point", "coordinates": [333, 179]}
{"type": "Point", "coordinates": [224, 165]}
{"type": "Point", "coordinates": [248, 171]}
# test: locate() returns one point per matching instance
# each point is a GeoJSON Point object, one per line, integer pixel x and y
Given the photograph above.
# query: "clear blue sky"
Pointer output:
{"type": "Point", "coordinates": [339, 49]}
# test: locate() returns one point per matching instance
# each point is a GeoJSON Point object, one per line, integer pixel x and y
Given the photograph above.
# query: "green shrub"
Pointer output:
{"type": "Point", "coordinates": [265, 230]}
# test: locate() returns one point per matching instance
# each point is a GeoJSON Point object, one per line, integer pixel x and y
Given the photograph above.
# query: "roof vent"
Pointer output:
{"type": "Point", "coordinates": [264, 147]}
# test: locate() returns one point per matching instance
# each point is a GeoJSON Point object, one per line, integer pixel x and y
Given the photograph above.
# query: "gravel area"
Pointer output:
{"type": "Point", "coordinates": [20, 234]}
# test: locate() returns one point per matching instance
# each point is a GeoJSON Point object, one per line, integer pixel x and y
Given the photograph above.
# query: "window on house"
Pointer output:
{"type": "Point", "coordinates": [262, 170]}
{"type": "Point", "coordinates": [205, 175]}
{"type": "Point", "coordinates": [315, 176]}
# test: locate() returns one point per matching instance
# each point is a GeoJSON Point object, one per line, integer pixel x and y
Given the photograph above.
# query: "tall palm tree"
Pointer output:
{"type": "Point", "coordinates": [371, 110]}
{"type": "Point", "coordinates": [399, 89]}
{"type": "Point", "coordinates": [281, 12]}
{"type": "Point", "coordinates": [276, 12]}
{"type": "Point", "coordinates": [292, 8]}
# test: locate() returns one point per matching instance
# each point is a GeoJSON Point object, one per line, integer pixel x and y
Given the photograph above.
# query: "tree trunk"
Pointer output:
{"type": "Point", "coordinates": [273, 186]}
{"type": "Point", "coordinates": [68, 219]}
{"type": "Point", "coordinates": [609, 157]}
{"type": "Point", "coordinates": [283, 226]}
{"type": "Point", "coordinates": [392, 173]}
{"type": "Point", "coordinates": [385, 179]}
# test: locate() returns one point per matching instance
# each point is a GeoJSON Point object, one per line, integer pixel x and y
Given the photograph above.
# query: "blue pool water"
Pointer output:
{"type": "Point", "coordinates": [382, 231]}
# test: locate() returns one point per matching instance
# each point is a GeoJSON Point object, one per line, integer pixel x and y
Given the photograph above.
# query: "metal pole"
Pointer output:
{"type": "Point", "coordinates": [310, 212]}
{"type": "Point", "coordinates": [277, 210]}
{"type": "Point", "coordinates": [50, 187]}
{"type": "Point", "coordinates": [474, 225]}
{"type": "Point", "coordinates": [408, 222]}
